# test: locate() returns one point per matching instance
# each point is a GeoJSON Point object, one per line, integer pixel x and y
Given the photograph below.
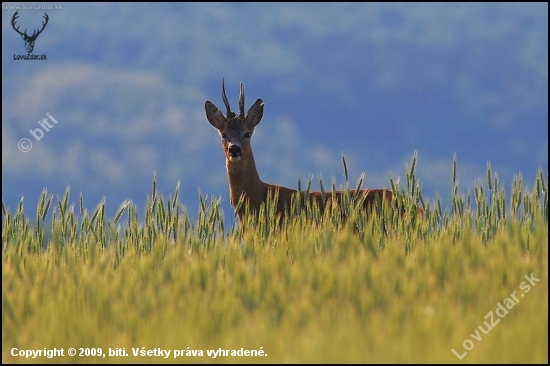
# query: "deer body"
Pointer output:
{"type": "Point", "coordinates": [244, 180]}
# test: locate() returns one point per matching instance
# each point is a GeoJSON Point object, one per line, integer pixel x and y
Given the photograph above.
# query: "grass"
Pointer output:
{"type": "Point", "coordinates": [319, 289]}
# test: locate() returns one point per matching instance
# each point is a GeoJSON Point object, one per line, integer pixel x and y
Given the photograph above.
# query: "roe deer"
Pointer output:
{"type": "Point", "coordinates": [245, 183]}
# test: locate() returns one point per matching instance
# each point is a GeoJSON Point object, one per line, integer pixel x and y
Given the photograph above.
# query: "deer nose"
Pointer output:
{"type": "Point", "coordinates": [235, 151]}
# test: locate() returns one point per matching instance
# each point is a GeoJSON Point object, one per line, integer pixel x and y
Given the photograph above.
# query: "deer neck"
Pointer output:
{"type": "Point", "coordinates": [244, 180]}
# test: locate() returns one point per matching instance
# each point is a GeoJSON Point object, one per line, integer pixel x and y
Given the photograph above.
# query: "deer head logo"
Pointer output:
{"type": "Point", "coordinates": [29, 40]}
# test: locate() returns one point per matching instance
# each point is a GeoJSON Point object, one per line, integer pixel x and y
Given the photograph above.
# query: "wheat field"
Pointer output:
{"type": "Point", "coordinates": [467, 284]}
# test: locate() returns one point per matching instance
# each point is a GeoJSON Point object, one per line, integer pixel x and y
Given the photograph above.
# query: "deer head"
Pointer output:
{"type": "Point", "coordinates": [29, 40]}
{"type": "Point", "coordinates": [235, 130]}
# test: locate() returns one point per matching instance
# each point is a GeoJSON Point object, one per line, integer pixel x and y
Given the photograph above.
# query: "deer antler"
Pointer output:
{"type": "Point", "coordinates": [43, 26]}
{"type": "Point", "coordinates": [34, 34]}
{"type": "Point", "coordinates": [241, 101]}
{"type": "Point", "coordinates": [226, 102]}
{"type": "Point", "coordinates": [15, 16]}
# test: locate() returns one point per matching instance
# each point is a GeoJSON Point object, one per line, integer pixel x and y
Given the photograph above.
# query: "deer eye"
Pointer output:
{"type": "Point", "coordinates": [247, 135]}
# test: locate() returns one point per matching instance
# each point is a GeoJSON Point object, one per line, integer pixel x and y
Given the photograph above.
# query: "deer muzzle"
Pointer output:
{"type": "Point", "coordinates": [235, 152]}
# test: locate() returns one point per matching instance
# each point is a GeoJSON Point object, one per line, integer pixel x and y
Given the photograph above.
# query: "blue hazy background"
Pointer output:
{"type": "Point", "coordinates": [372, 81]}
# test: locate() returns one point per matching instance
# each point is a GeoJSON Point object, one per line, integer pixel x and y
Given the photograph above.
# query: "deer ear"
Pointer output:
{"type": "Point", "coordinates": [255, 113]}
{"type": "Point", "coordinates": [214, 115]}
